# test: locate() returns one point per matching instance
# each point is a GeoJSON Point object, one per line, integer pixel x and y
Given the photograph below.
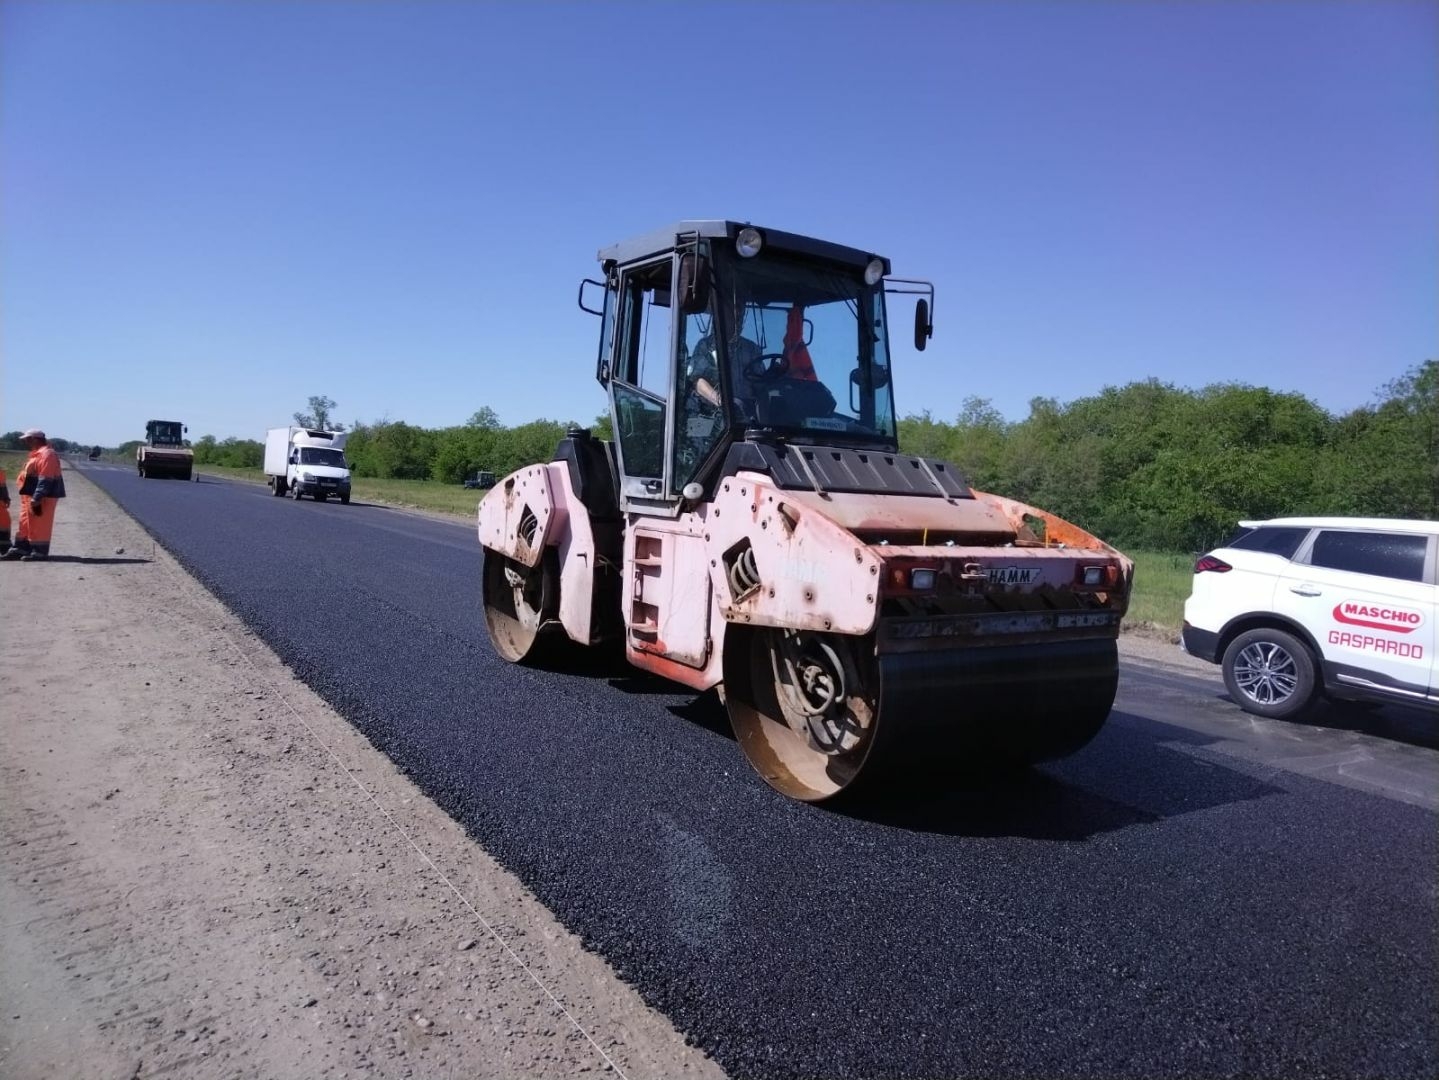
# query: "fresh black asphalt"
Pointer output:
{"type": "Point", "coordinates": [1152, 907]}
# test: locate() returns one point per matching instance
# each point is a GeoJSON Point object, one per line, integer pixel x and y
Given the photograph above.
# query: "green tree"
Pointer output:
{"type": "Point", "coordinates": [318, 418]}
{"type": "Point", "coordinates": [1414, 403]}
{"type": "Point", "coordinates": [924, 436]}
{"type": "Point", "coordinates": [484, 418]}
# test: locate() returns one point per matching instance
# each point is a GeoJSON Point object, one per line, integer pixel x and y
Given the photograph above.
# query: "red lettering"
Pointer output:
{"type": "Point", "coordinates": [1409, 650]}
{"type": "Point", "coordinates": [1396, 620]}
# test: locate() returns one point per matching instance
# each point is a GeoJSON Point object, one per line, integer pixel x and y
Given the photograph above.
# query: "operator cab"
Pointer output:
{"type": "Point", "coordinates": [165, 432]}
{"type": "Point", "coordinates": [716, 333]}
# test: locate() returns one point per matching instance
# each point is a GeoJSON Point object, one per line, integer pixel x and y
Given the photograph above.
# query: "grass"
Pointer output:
{"type": "Point", "coordinates": [411, 494]}
{"type": "Point", "coordinates": [1161, 579]}
{"type": "Point", "coordinates": [1161, 585]}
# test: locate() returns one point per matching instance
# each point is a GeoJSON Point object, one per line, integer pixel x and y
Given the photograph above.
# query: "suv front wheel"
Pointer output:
{"type": "Point", "coordinates": [1270, 673]}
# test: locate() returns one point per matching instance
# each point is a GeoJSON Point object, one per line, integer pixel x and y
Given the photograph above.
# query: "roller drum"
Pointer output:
{"type": "Point", "coordinates": [931, 718]}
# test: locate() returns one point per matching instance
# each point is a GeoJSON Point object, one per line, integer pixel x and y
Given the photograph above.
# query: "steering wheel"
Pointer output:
{"type": "Point", "coordinates": [766, 367]}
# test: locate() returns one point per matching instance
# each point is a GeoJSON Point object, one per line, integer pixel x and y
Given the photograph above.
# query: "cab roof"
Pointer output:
{"type": "Point", "coordinates": [661, 240]}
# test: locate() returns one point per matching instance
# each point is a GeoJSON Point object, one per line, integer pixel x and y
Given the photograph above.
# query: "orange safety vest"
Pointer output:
{"type": "Point", "coordinates": [795, 350]}
{"type": "Point", "coordinates": [43, 474]}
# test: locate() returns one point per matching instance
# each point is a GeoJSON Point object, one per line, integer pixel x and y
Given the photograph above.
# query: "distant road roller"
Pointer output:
{"type": "Point", "coordinates": [164, 453]}
{"type": "Point", "coordinates": [866, 615]}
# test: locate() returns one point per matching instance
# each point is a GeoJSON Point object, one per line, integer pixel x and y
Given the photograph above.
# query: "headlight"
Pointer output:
{"type": "Point", "coordinates": [874, 271]}
{"type": "Point", "coordinates": [748, 241]}
{"type": "Point", "coordinates": [921, 580]}
{"type": "Point", "coordinates": [307, 477]}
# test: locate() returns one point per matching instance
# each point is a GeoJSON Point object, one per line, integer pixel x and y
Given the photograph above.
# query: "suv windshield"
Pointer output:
{"type": "Point", "coordinates": [322, 455]}
{"type": "Point", "coordinates": [806, 346]}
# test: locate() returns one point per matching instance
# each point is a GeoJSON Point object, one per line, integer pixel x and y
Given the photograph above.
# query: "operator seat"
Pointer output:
{"type": "Point", "coordinates": [790, 402]}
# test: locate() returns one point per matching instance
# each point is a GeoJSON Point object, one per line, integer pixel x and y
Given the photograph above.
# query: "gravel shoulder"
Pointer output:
{"type": "Point", "coordinates": [207, 873]}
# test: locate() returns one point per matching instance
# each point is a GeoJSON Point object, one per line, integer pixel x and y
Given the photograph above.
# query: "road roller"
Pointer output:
{"type": "Point", "coordinates": [164, 453]}
{"type": "Point", "coordinates": [867, 617]}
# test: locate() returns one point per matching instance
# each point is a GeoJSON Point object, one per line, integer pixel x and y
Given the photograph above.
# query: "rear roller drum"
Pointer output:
{"type": "Point", "coordinates": [816, 714]}
{"type": "Point", "coordinates": [521, 605]}
{"type": "Point", "coordinates": [803, 706]}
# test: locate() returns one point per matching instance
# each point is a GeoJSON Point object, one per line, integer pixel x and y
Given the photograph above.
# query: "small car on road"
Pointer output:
{"type": "Point", "coordinates": [480, 480]}
{"type": "Point", "coordinates": [1298, 608]}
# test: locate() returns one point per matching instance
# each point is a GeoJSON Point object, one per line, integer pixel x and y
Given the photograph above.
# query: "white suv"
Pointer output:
{"type": "Point", "coordinates": [1296, 607]}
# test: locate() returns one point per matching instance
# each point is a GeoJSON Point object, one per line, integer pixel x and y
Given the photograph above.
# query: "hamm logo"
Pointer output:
{"type": "Point", "coordinates": [1013, 575]}
{"type": "Point", "coordinates": [1378, 617]}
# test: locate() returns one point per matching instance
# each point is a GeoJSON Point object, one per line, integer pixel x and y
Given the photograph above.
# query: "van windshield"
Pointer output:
{"type": "Point", "coordinates": [322, 455]}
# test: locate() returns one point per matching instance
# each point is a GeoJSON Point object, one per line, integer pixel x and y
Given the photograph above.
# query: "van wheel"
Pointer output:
{"type": "Point", "coordinates": [1270, 673]}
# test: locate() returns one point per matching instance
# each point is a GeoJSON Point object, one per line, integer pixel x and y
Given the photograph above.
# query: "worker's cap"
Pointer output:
{"type": "Point", "coordinates": [33, 433]}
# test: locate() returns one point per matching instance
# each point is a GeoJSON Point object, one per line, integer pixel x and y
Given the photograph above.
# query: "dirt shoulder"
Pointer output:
{"type": "Point", "coordinates": [208, 873]}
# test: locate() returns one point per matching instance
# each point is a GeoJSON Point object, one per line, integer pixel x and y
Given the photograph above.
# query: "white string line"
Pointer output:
{"type": "Point", "coordinates": [428, 861]}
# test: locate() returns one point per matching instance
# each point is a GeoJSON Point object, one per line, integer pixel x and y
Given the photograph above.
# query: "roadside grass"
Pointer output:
{"type": "Point", "coordinates": [1161, 579]}
{"type": "Point", "coordinates": [410, 494]}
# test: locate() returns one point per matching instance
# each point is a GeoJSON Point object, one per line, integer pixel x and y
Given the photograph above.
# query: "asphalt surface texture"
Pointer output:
{"type": "Point", "coordinates": [1197, 893]}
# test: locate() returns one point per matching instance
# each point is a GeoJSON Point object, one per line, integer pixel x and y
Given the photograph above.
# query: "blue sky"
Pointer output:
{"type": "Point", "coordinates": [212, 211]}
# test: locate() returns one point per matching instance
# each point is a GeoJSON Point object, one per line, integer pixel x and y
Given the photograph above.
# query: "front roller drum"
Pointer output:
{"type": "Point", "coordinates": [521, 605]}
{"type": "Point", "coordinates": [803, 707]}
{"type": "Point", "coordinates": [821, 715]}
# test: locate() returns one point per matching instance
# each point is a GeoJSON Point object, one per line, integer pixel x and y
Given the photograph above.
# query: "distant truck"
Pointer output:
{"type": "Point", "coordinates": [479, 480]}
{"type": "Point", "coordinates": [164, 453]}
{"type": "Point", "coordinates": [301, 461]}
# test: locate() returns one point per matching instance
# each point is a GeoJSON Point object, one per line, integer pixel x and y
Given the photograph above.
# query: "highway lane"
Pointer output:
{"type": "Point", "coordinates": [1197, 893]}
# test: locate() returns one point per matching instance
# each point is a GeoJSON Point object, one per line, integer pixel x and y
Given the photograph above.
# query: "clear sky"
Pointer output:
{"type": "Point", "coordinates": [212, 211]}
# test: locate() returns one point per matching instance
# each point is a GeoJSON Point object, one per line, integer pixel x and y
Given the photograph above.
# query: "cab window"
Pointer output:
{"type": "Point", "coordinates": [639, 386]}
{"type": "Point", "coordinates": [1283, 541]}
{"type": "Point", "coordinates": [1390, 555]}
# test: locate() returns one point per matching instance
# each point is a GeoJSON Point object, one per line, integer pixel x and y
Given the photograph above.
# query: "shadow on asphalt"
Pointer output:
{"type": "Point", "coordinates": [1024, 803]}
{"type": "Point", "coordinates": [86, 560]}
{"type": "Point", "coordinates": [1395, 723]}
{"type": "Point", "coordinates": [708, 712]}
{"type": "Point", "coordinates": [1147, 776]}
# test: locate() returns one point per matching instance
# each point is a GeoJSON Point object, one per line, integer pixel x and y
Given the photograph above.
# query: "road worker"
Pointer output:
{"type": "Point", "coordinates": [4, 515]}
{"type": "Point", "coordinates": [41, 487]}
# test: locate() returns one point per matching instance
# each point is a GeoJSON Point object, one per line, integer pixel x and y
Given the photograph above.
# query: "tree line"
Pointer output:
{"type": "Point", "coordinates": [1154, 466]}
{"type": "Point", "coordinates": [11, 440]}
{"type": "Point", "coordinates": [1147, 465]}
